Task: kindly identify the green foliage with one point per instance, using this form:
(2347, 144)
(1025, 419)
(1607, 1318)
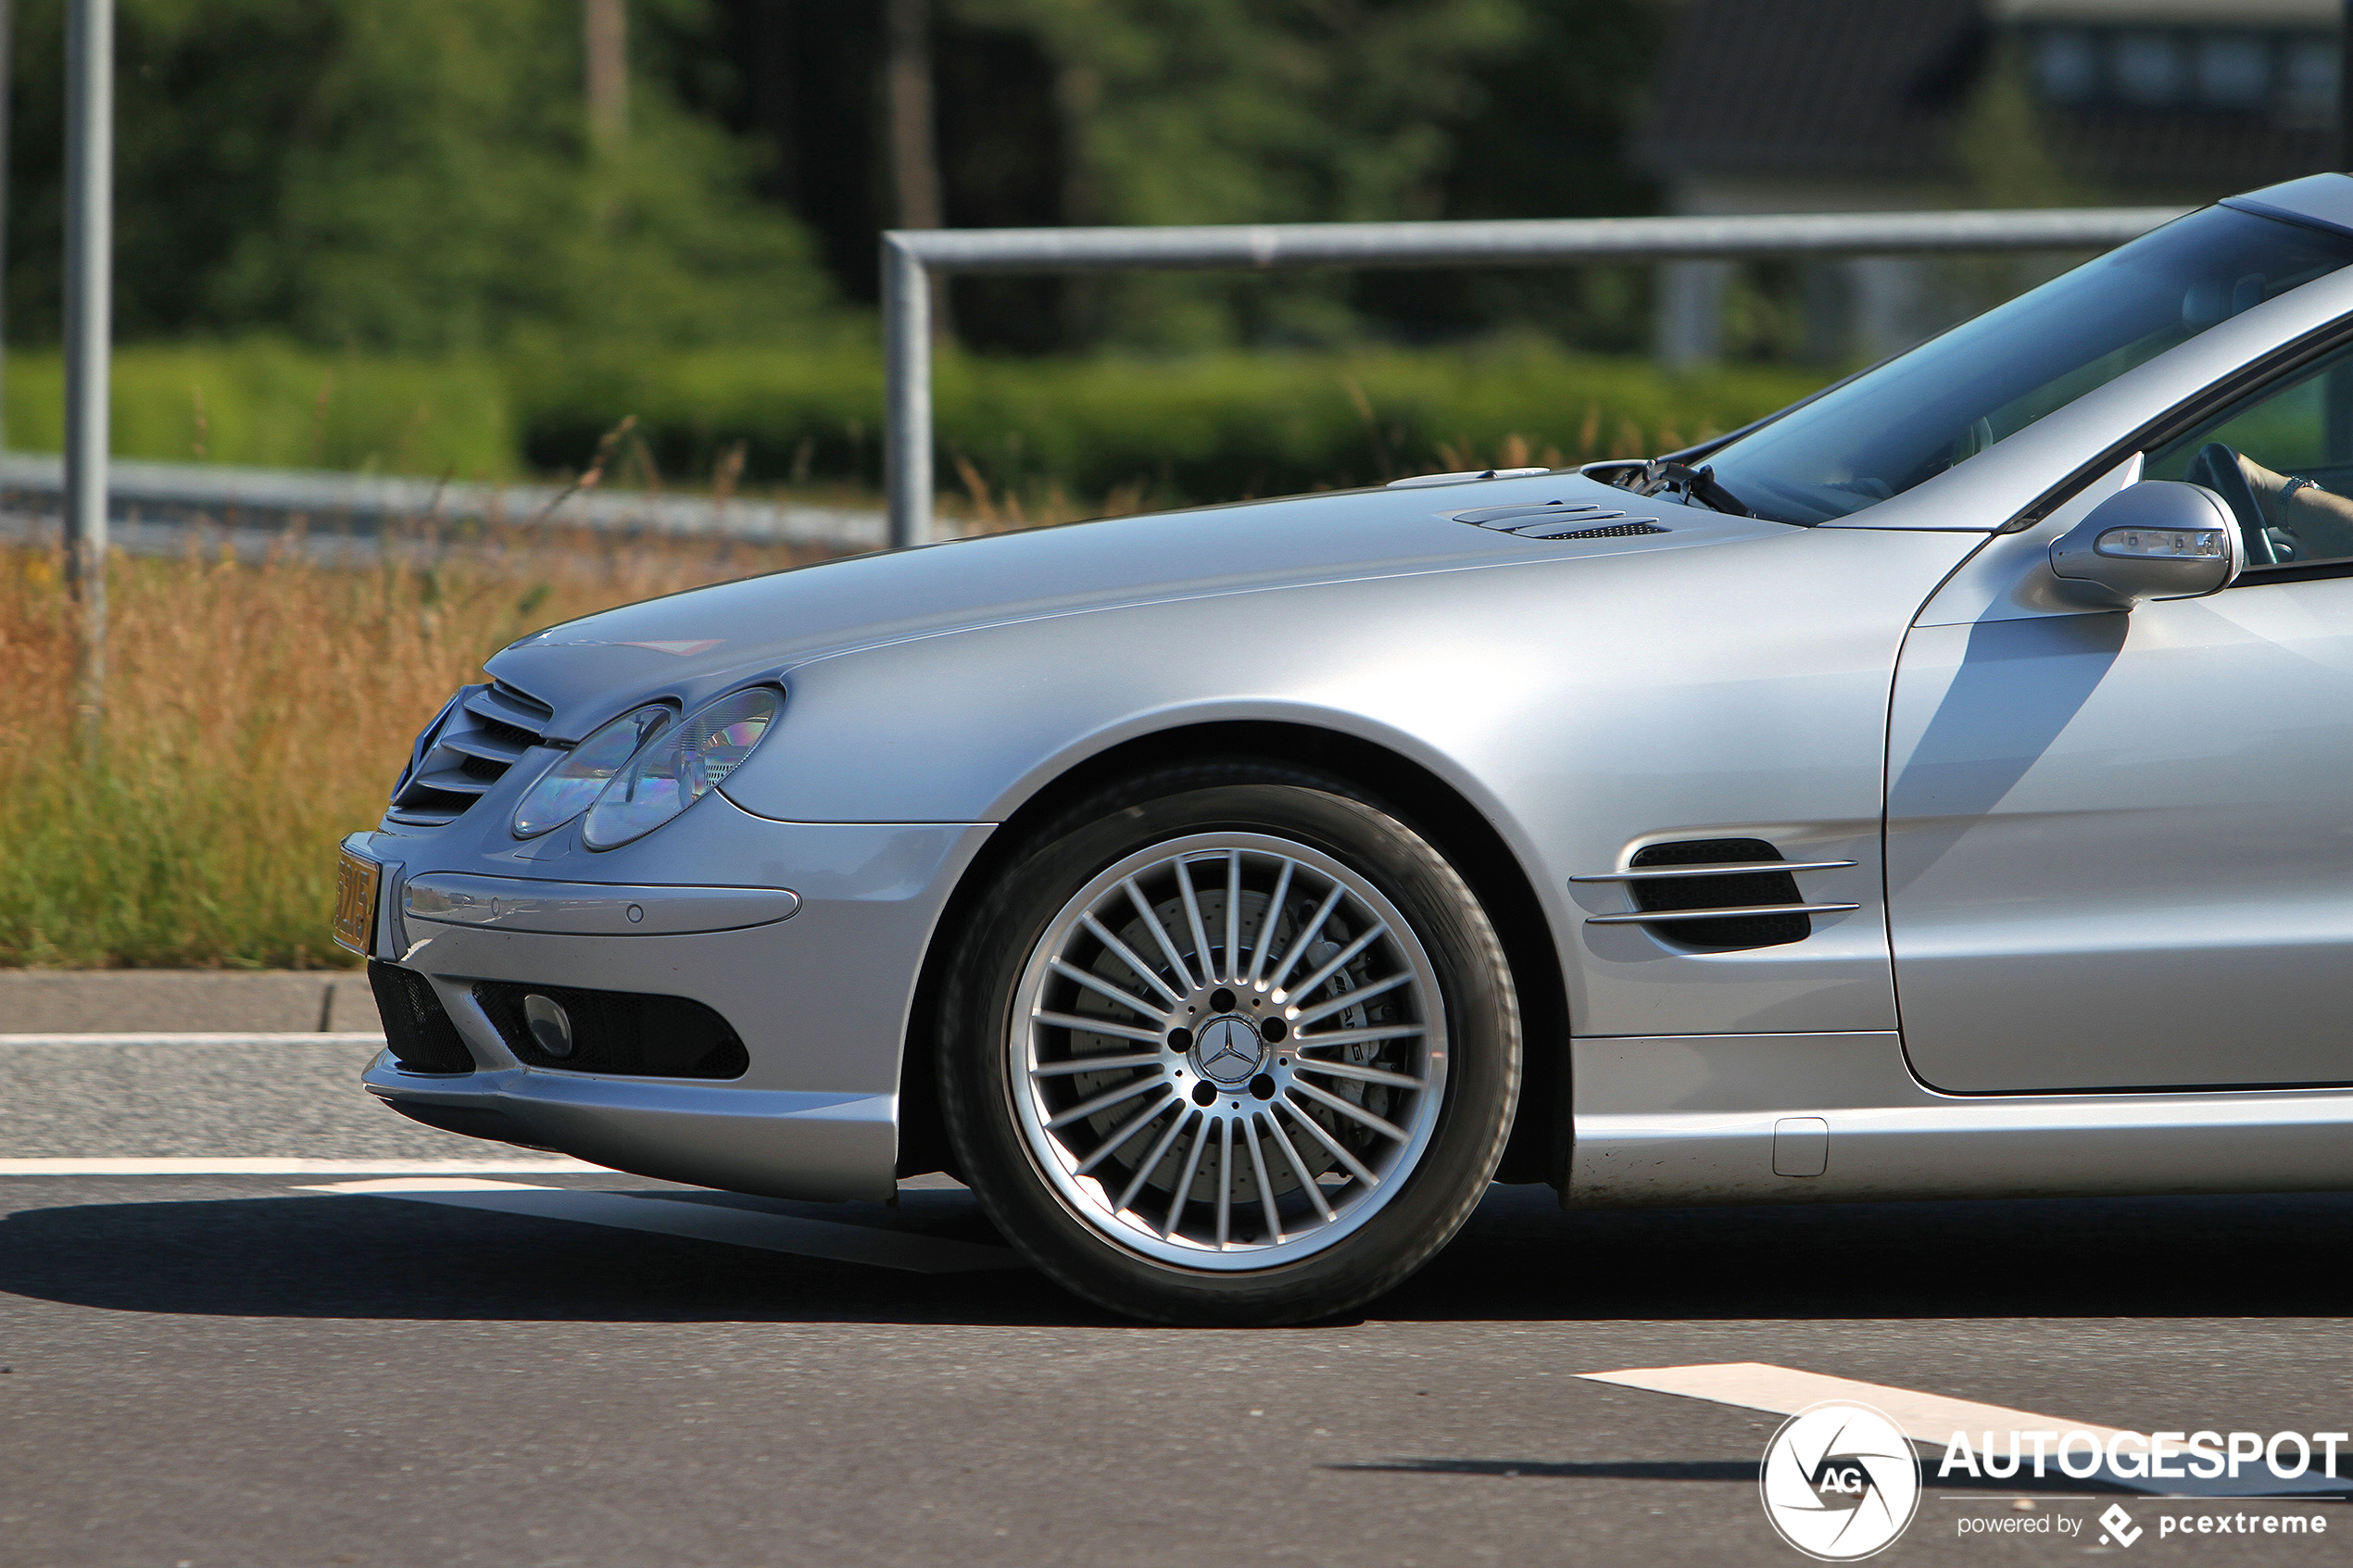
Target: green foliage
(1194, 428)
(266, 402)
(1247, 111)
(1202, 427)
(412, 177)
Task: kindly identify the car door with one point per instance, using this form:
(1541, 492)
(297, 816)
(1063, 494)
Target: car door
(2120, 845)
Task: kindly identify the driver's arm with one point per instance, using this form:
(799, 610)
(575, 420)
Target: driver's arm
(2310, 512)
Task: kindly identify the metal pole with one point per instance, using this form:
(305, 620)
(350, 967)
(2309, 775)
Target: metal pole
(89, 305)
(2344, 88)
(906, 290)
(7, 81)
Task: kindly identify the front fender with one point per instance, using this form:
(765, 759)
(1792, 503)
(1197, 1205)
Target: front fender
(1583, 706)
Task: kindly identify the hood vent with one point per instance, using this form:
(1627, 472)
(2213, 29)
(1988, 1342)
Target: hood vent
(1718, 893)
(1561, 520)
(480, 734)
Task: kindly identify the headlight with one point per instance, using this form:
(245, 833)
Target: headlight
(566, 789)
(680, 768)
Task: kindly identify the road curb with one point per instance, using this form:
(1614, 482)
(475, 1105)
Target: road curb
(131, 1001)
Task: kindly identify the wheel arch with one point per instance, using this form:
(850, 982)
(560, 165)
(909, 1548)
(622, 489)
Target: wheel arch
(1538, 1148)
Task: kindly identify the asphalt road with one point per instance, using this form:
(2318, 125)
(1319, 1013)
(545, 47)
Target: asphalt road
(250, 1370)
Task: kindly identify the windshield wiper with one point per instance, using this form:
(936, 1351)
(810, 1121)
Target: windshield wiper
(1665, 476)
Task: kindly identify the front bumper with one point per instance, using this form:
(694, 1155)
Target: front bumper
(819, 998)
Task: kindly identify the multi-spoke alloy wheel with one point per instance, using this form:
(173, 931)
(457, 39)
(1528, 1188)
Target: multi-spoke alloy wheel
(1234, 1048)
(1246, 1051)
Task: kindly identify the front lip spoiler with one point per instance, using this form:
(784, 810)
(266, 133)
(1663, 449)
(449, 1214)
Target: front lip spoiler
(470, 1121)
(589, 909)
(776, 1142)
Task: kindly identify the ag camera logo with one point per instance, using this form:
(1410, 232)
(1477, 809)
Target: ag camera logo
(1840, 1481)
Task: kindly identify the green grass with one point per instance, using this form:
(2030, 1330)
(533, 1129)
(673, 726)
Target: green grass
(256, 713)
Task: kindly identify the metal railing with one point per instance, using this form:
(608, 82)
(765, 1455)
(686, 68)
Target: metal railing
(911, 257)
(170, 498)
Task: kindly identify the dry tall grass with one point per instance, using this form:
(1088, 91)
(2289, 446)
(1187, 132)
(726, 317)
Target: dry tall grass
(256, 713)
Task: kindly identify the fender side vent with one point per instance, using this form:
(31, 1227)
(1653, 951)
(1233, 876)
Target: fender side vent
(1718, 893)
(1670, 892)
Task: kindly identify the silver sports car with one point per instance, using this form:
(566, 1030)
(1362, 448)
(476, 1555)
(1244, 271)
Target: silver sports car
(1942, 788)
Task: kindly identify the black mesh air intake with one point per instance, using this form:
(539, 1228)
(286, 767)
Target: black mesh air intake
(422, 1037)
(620, 1031)
(1719, 892)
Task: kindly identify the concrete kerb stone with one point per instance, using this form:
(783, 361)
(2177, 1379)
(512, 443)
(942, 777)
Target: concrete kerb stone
(129, 1002)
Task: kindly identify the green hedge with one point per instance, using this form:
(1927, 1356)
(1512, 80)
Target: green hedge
(1208, 427)
(1213, 426)
(265, 402)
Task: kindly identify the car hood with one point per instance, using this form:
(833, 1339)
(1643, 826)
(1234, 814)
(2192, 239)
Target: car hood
(693, 644)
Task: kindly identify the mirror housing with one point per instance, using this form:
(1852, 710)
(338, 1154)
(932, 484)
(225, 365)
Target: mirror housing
(2159, 539)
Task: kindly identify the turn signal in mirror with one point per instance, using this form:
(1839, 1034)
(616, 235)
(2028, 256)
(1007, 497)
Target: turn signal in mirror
(2161, 544)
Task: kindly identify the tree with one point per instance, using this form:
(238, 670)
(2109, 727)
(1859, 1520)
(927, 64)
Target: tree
(416, 177)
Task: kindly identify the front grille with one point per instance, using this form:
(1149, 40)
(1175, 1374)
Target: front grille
(1717, 891)
(620, 1031)
(480, 734)
(419, 1030)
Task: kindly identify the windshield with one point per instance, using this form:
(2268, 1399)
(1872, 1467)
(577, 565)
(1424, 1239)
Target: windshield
(1954, 395)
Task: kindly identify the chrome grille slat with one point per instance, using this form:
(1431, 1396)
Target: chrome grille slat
(481, 733)
(449, 781)
(487, 745)
(506, 705)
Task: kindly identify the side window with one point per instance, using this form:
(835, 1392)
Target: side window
(2284, 462)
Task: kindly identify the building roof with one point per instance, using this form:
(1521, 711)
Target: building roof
(1843, 89)
(2316, 14)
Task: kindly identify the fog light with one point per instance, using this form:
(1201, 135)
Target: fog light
(551, 1029)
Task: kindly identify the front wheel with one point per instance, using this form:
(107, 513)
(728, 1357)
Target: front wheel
(1229, 1044)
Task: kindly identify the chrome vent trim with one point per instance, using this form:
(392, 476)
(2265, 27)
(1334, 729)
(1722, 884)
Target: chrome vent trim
(1728, 868)
(1729, 911)
(1561, 520)
(1718, 893)
(480, 732)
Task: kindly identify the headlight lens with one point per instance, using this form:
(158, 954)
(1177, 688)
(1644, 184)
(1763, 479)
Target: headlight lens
(566, 789)
(680, 768)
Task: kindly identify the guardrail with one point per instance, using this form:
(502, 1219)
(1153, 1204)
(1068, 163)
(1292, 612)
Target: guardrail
(910, 257)
(221, 496)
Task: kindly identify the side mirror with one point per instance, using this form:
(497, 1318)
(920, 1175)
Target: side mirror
(2159, 539)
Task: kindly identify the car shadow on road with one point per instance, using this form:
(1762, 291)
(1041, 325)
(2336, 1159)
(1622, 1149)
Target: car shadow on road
(351, 1256)
(1521, 1259)
(2240, 1256)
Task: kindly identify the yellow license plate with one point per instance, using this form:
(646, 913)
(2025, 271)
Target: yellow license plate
(355, 879)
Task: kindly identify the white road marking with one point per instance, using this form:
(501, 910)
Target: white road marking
(1924, 1418)
(405, 1186)
(541, 1165)
(664, 1215)
(1931, 1420)
(245, 1037)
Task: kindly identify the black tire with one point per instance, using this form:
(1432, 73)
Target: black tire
(1414, 1218)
